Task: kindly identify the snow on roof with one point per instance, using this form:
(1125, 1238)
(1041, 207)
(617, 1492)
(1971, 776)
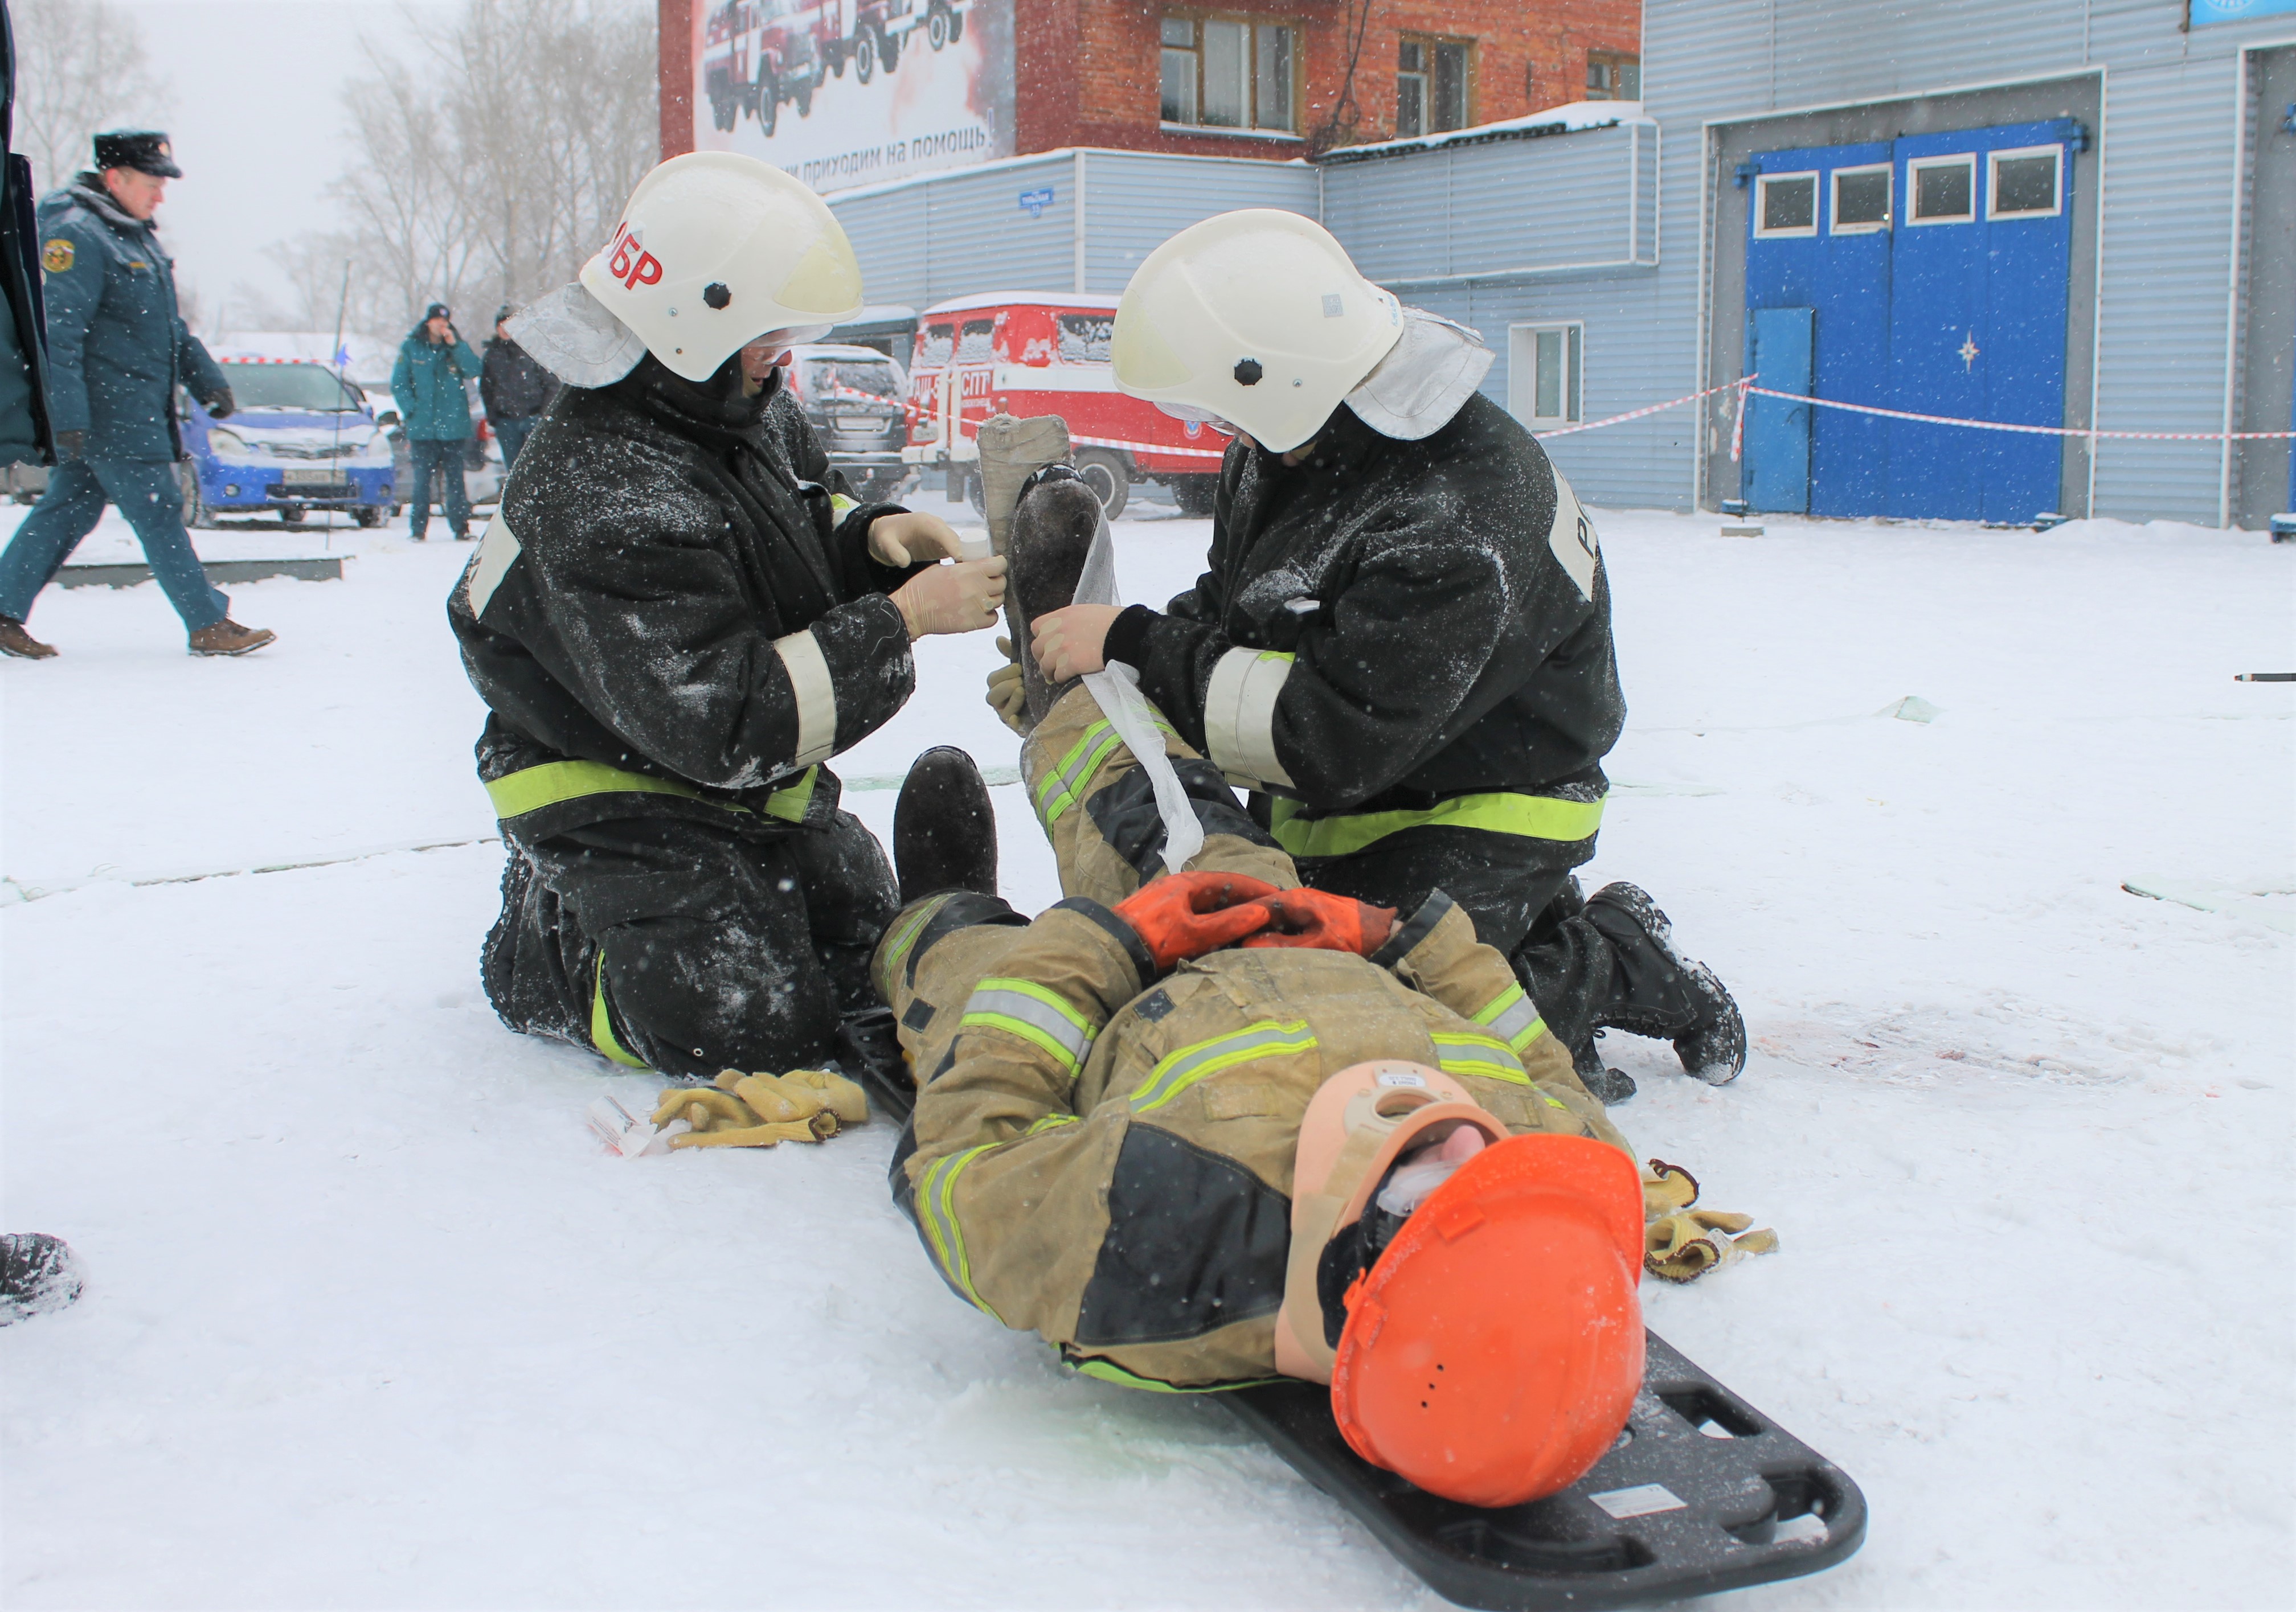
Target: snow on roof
(887, 313)
(837, 350)
(1024, 299)
(1576, 117)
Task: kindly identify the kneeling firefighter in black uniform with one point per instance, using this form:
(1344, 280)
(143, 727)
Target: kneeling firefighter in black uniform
(1401, 642)
(676, 618)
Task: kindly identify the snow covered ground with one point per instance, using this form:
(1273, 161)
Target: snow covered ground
(371, 1322)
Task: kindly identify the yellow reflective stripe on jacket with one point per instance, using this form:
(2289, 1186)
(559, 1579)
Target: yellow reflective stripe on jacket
(601, 1023)
(1036, 1014)
(1459, 1052)
(1528, 816)
(840, 507)
(532, 789)
(1514, 1019)
(1109, 1371)
(1240, 713)
(1176, 1072)
(936, 1213)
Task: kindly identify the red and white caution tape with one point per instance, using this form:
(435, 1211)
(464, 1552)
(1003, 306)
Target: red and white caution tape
(2034, 430)
(1148, 447)
(1655, 408)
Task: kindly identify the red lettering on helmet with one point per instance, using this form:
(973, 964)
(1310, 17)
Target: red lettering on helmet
(619, 264)
(645, 271)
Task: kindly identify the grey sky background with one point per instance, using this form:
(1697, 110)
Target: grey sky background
(255, 102)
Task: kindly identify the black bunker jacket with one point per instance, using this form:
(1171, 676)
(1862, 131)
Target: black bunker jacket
(1396, 637)
(674, 614)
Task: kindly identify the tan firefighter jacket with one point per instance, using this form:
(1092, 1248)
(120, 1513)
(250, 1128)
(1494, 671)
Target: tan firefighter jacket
(1103, 1156)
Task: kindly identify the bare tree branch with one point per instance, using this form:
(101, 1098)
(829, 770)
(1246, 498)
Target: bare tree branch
(82, 68)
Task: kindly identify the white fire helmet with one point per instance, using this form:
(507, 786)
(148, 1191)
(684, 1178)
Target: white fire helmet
(716, 250)
(1257, 319)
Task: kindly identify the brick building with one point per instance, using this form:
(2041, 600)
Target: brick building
(1264, 78)
(1280, 78)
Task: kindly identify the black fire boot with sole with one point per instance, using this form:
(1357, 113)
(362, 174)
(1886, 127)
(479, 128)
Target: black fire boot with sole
(1053, 529)
(1660, 993)
(944, 827)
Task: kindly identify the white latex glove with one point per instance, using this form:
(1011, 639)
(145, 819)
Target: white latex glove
(960, 597)
(901, 541)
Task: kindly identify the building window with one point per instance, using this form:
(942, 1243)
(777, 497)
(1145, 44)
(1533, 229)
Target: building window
(1613, 75)
(1224, 72)
(2023, 184)
(1944, 188)
(1785, 204)
(1434, 85)
(1543, 384)
(1861, 200)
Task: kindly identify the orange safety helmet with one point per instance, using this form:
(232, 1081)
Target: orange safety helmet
(1492, 1351)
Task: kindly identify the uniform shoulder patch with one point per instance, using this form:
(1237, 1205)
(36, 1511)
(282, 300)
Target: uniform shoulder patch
(56, 255)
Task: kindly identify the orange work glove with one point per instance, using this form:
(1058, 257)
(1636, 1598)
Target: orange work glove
(1329, 922)
(1184, 915)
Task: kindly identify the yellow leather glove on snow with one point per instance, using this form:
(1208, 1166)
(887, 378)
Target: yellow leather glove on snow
(1008, 695)
(1684, 1248)
(1667, 1188)
(760, 1111)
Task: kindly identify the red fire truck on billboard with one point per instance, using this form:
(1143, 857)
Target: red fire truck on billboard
(1027, 353)
(757, 55)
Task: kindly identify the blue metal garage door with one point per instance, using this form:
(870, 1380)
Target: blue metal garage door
(1931, 273)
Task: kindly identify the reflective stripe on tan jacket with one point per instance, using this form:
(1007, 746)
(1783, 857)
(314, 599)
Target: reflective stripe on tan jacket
(1103, 1156)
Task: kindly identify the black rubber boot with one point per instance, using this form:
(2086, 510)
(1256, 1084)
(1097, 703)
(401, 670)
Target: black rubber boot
(37, 1273)
(944, 827)
(1658, 992)
(1053, 529)
(1609, 1087)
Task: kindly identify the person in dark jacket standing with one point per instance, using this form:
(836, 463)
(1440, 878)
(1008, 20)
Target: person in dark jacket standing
(676, 618)
(434, 411)
(515, 388)
(116, 350)
(1402, 642)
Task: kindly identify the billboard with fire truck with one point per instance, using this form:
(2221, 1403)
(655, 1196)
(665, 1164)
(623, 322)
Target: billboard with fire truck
(844, 92)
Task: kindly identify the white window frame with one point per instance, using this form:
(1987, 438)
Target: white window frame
(1913, 166)
(1993, 167)
(1522, 372)
(1889, 172)
(1762, 183)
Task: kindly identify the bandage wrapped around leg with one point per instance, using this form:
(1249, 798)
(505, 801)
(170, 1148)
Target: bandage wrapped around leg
(1011, 452)
(760, 1110)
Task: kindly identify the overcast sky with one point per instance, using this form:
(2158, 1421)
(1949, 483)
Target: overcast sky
(254, 99)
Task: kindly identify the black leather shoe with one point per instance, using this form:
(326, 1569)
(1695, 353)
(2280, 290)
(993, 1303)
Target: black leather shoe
(944, 827)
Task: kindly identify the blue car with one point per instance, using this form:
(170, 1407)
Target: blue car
(300, 439)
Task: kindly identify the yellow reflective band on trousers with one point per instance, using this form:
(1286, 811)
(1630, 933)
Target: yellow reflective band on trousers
(1064, 786)
(1109, 1371)
(1529, 817)
(1036, 1014)
(1514, 1019)
(601, 1023)
(1176, 1072)
(532, 789)
(1458, 1052)
(936, 1213)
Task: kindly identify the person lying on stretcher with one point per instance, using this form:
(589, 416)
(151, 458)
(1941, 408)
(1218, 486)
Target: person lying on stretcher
(1202, 1128)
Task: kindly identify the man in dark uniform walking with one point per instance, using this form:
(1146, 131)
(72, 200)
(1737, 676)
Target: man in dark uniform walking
(116, 350)
(675, 619)
(1401, 642)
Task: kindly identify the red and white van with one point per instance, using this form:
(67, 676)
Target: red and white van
(1027, 353)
